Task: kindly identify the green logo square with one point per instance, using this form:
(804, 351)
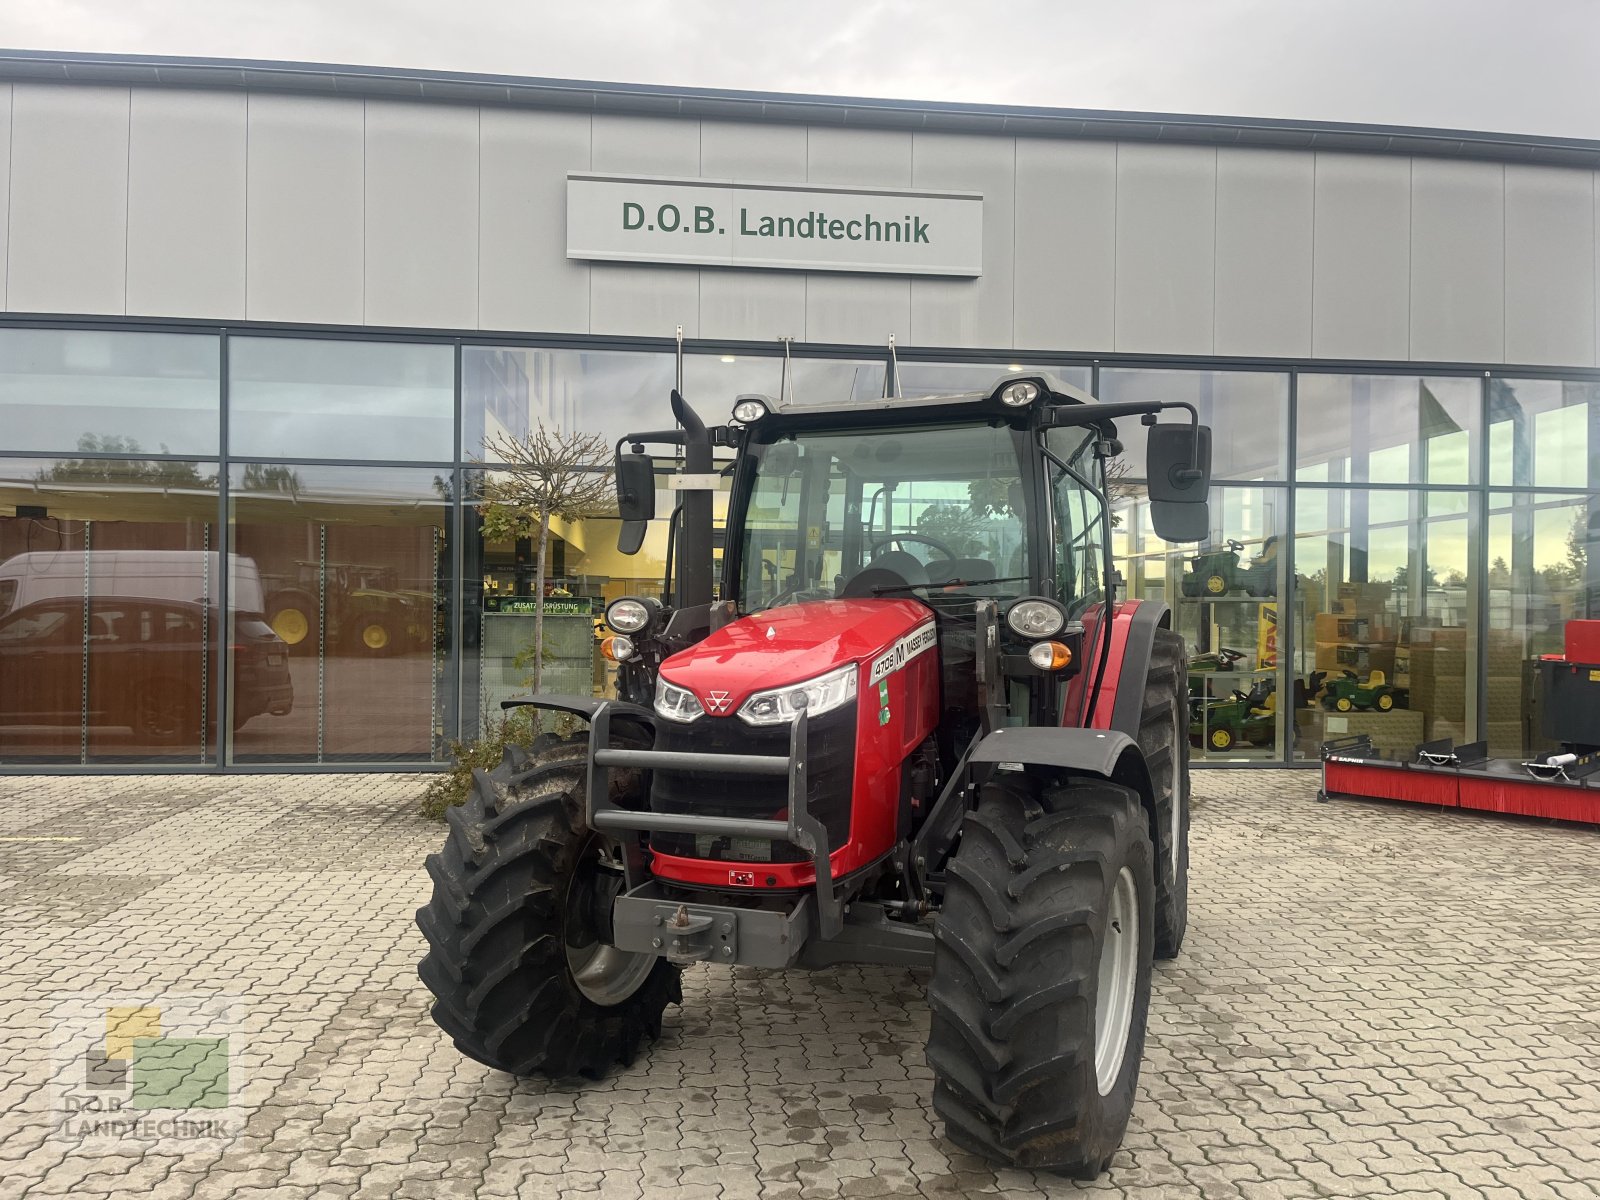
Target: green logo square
(171, 1072)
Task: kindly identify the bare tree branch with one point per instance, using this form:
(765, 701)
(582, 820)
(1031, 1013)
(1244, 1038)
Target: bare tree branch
(543, 476)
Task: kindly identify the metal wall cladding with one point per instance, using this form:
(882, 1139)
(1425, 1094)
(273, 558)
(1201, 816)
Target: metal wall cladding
(350, 211)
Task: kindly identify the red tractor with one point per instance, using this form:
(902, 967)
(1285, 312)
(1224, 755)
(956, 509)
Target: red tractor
(918, 730)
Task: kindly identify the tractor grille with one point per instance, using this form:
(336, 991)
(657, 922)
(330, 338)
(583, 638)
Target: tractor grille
(830, 776)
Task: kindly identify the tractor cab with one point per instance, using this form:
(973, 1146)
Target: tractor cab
(913, 725)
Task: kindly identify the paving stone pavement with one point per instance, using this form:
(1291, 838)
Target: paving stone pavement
(1373, 1000)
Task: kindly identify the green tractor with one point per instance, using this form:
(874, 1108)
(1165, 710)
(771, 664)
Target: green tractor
(359, 607)
(1349, 692)
(1219, 572)
(1244, 717)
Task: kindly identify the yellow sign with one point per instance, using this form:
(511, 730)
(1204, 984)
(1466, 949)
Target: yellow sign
(1267, 637)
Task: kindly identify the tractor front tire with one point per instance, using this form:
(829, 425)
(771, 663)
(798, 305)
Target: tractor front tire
(1164, 739)
(1041, 974)
(517, 890)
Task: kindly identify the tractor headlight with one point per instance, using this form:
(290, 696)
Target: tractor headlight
(749, 411)
(630, 614)
(1020, 394)
(676, 703)
(817, 696)
(1036, 618)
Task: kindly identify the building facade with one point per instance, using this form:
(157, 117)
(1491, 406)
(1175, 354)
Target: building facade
(261, 321)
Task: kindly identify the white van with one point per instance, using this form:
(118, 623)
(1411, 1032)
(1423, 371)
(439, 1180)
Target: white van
(188, 576)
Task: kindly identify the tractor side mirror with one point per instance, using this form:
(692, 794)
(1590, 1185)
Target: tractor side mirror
(1178, 464)
(636, 499)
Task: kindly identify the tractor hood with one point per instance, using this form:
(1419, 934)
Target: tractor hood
(793, 644)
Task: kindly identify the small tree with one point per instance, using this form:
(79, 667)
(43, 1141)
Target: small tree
(540, 476)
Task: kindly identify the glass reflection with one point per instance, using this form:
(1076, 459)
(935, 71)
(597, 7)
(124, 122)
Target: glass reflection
(109, 611)
(97, 391)
(1387, 429)
(1228, 600)
(1544, 570)
(319, 398)
(612, 393)
(1386, 635)
(348, 569)
(1247, 412)
(1544, 433)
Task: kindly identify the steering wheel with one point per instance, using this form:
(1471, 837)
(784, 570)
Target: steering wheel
(935, 543)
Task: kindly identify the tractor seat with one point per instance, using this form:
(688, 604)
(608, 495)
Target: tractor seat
(1375, 679)
(973, 569)
(894, 568)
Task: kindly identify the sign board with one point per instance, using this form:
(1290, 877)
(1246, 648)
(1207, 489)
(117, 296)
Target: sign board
(715, 223)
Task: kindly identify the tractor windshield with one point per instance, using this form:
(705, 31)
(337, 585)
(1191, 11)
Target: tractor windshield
(937, 505)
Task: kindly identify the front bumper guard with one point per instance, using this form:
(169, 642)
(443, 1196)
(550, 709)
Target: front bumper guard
(645, 920)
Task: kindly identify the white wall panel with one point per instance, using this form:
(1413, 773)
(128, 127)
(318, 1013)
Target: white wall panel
(645, 301)
(69, 200)
(1166, 248)
(1066, 238)
(186, 204)
(526, 282)
(758, 305)
(5, 184)
(1264, 225)
(1458, 221)
(753, 153)
(1550, 278)
(863, 310)
(969, 312)
(1361, 282)
(421, 215)
(304, 227)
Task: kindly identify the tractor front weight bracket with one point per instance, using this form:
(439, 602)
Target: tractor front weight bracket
(646, 919)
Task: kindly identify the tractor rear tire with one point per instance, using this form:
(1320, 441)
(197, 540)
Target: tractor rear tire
(1164, 739)
(1041, 974)
(505, 912)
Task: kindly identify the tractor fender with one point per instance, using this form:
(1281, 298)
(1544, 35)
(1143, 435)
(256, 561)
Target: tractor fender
(581, 706)
(1104, 753)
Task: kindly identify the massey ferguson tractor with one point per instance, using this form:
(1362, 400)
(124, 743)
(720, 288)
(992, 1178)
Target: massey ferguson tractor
(917, 729)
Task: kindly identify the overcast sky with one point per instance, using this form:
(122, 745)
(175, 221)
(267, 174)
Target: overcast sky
(1523, 66)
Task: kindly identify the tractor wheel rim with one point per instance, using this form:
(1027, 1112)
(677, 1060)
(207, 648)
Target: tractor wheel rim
(291, 626)
(604, 974)
(1220, 739)
(374, 637)
(1117, 981)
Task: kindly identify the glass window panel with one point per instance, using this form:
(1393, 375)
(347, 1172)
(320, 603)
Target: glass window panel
(109, 623)
(585, 572)
(316, 398)
(1226, 595)
(1387, 429)
(611, 393)
(1247, 412)
(122, 393)
(1544, 570)
(933, 379)
(1386, 623)
(353, 591)
(1544, 433)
